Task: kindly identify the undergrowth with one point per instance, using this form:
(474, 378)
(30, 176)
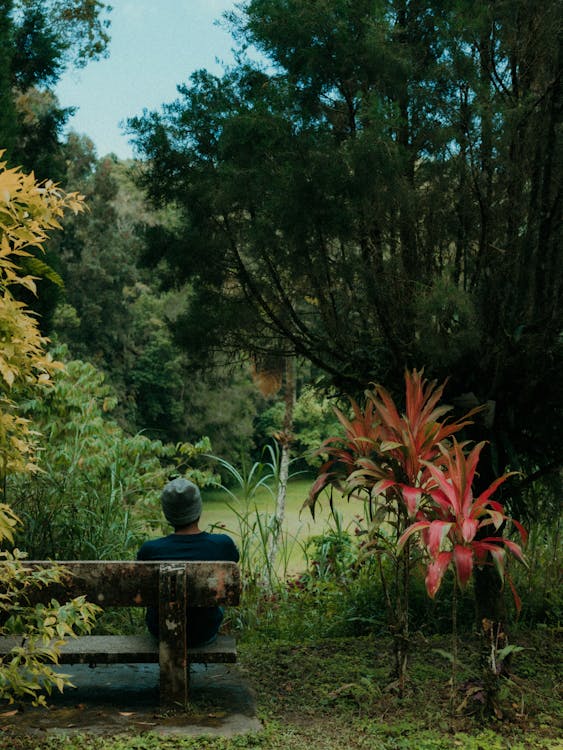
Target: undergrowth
(338, 693)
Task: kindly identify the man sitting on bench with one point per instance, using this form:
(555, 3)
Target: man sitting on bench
(181, 505)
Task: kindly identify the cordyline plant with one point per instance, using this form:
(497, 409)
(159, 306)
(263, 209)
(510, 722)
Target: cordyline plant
(462, 531)
(450, 520)
(384, 459)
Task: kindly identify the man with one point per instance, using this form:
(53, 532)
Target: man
(181, 505)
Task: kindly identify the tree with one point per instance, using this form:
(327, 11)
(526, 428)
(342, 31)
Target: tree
(381, 191)
(121, 323)
(80, 27)
(41, 39)
(7, 110)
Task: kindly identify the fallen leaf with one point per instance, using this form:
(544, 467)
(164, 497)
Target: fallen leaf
(126, 713)
(9, 713)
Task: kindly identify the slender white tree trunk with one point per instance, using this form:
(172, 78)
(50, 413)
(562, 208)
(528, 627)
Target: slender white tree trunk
(284, 440)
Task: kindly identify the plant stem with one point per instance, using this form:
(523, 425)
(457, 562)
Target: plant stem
(454, 649)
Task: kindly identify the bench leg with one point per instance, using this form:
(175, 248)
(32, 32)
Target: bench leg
(174, 670)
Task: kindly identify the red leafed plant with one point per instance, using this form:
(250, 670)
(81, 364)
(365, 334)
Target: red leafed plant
(451, 520)
(384, 458)
(383, 449)
(409, 467)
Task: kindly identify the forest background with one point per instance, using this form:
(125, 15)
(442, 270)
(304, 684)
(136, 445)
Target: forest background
(381, 191)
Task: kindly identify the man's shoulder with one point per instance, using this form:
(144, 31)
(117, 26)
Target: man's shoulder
(151, 545)
(222, 542)
(218, 537)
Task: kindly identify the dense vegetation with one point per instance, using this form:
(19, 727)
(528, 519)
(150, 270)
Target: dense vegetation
(380, 190)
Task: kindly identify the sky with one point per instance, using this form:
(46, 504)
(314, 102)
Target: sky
(155, 45)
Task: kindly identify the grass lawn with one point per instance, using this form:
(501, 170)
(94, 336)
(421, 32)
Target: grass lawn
(336, 694)
(219, 508)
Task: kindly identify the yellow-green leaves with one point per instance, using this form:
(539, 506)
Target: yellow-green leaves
(28, 212)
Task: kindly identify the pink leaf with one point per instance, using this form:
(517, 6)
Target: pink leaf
(463, 558)
(495, 541)
(515, 549)
(411, 496)
(522, 531)
(517, 600)
(382, 485)
(435, 573)
(498, 555)
(483, 498)
(480, 551)
(437, 532)
(468, 466)
(410, 531)
(449, 493)
(498, 518)
(441, 500)
(469, 529)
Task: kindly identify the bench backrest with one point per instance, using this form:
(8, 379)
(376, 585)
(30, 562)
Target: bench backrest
(118, 583)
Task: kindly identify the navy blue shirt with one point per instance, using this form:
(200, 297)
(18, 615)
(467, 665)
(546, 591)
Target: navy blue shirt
(203, 622)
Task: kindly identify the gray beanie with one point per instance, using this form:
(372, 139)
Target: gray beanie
(181, 502)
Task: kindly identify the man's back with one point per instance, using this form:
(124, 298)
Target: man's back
(203, 622)
(201, 546)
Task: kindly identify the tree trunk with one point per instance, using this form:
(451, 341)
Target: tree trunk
(284, 440)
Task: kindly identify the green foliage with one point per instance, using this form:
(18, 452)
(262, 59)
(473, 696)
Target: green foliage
(325, 694)
(40, 39)
(122, 325)
(28, 211)
(333, 554)
(313, 420)
(540, 582)
(380, 189)
(97, 494)
(7, 108)
(256, 529)
(27, 671)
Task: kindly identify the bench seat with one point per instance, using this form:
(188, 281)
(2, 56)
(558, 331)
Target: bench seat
(133, 649)
(171, 586)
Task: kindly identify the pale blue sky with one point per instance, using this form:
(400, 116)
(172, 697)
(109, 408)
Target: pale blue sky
(155, 45)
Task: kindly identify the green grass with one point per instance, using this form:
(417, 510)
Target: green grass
(335, 694)
(299, 525)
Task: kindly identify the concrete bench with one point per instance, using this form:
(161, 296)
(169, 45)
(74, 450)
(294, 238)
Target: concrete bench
(171, 587)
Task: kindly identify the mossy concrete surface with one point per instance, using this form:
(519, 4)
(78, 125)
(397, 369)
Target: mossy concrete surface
(109, 699)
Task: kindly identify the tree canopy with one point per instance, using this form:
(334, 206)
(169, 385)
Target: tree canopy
(40, 39)
(381, 189)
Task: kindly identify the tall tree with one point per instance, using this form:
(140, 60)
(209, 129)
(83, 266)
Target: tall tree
(40, 39)
(7, 109)
(383, 190)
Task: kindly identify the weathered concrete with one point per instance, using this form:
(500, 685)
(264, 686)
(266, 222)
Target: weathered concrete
(110, 699)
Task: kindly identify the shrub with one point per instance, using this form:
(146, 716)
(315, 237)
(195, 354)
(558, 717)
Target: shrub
(28, 211)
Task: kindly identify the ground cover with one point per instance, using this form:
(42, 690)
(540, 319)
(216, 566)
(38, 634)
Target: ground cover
(335, 694)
